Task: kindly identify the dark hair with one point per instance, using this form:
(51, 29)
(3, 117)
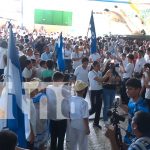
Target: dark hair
(50, 64)
(148, 49)
(8, 140)
(123, 54)
(46, 46)
(142, 119)
(147, 65)
(42, 62)
(141, 52)
(66, 77)
(127, 49)
(94, 64)
(33, 60)
(85, 59)
(4, 44)
(28, 62)
(130, 56)
(133, 82)
(58, 76)
(21, 47)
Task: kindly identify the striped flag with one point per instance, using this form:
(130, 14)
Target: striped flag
(15, 115)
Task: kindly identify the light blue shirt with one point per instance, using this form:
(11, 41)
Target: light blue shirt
(46, 56)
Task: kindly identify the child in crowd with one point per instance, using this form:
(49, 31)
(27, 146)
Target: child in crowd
(79, 128)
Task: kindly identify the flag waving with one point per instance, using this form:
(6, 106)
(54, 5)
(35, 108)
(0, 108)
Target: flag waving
(16, 117)
(93, 34)
(60, 58)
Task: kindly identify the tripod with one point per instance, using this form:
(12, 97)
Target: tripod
(118, 137)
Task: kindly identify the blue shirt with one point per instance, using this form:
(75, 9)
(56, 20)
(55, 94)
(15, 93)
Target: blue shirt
(46, 56)
(133, 107)
(142, 143)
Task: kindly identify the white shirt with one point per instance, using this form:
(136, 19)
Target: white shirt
(95, 57)
(128, 70)
(27, 73)
(139, 65)
(78, 62)
(55, 100)
(67, 53)
(82, 74)
(78, 111)
(94, 85)
(146, 78)
(146, 57)
(2, 53)
(125, 62)
(147, 93)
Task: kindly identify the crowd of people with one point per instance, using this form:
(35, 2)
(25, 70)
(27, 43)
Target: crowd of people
(118, 66)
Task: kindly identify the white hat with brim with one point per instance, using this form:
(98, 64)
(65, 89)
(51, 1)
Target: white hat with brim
(80, 85)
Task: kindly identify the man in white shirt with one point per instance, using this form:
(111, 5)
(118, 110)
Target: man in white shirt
(127, 74)
(67, 57)
(58, 122)
(27, 72)
(140, 62)
(81, 73)
(47, 54)
(76, 57)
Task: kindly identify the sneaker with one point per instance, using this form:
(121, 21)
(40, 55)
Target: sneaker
(97, 125)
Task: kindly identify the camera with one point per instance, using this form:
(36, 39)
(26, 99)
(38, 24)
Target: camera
(115, 118)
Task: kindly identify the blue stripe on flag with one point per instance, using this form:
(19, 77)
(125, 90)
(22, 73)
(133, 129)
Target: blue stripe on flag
(14, 82)
(60, 58)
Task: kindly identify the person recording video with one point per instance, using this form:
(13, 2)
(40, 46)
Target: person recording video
(141, 128)
(136, 103)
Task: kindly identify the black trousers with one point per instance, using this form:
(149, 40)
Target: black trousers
(58, 130)
(96, 104)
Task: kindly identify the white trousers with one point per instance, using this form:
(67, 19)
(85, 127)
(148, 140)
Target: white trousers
(78, 139)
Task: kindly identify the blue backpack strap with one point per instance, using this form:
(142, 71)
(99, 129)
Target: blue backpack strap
(37, 97)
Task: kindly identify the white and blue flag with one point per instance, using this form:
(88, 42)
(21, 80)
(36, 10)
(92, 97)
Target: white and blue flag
(93, 34)
(16, 121)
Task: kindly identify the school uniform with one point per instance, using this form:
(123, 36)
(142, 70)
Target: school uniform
(78, 111)
(95, 95)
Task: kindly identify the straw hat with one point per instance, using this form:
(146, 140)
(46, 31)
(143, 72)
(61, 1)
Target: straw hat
(80, 85)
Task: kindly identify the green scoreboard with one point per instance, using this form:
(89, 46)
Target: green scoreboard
(52, 17)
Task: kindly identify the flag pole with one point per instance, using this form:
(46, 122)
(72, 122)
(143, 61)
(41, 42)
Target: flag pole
(88, 27)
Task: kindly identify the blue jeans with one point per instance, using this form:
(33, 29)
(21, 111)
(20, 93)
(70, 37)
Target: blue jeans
(108, 97)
